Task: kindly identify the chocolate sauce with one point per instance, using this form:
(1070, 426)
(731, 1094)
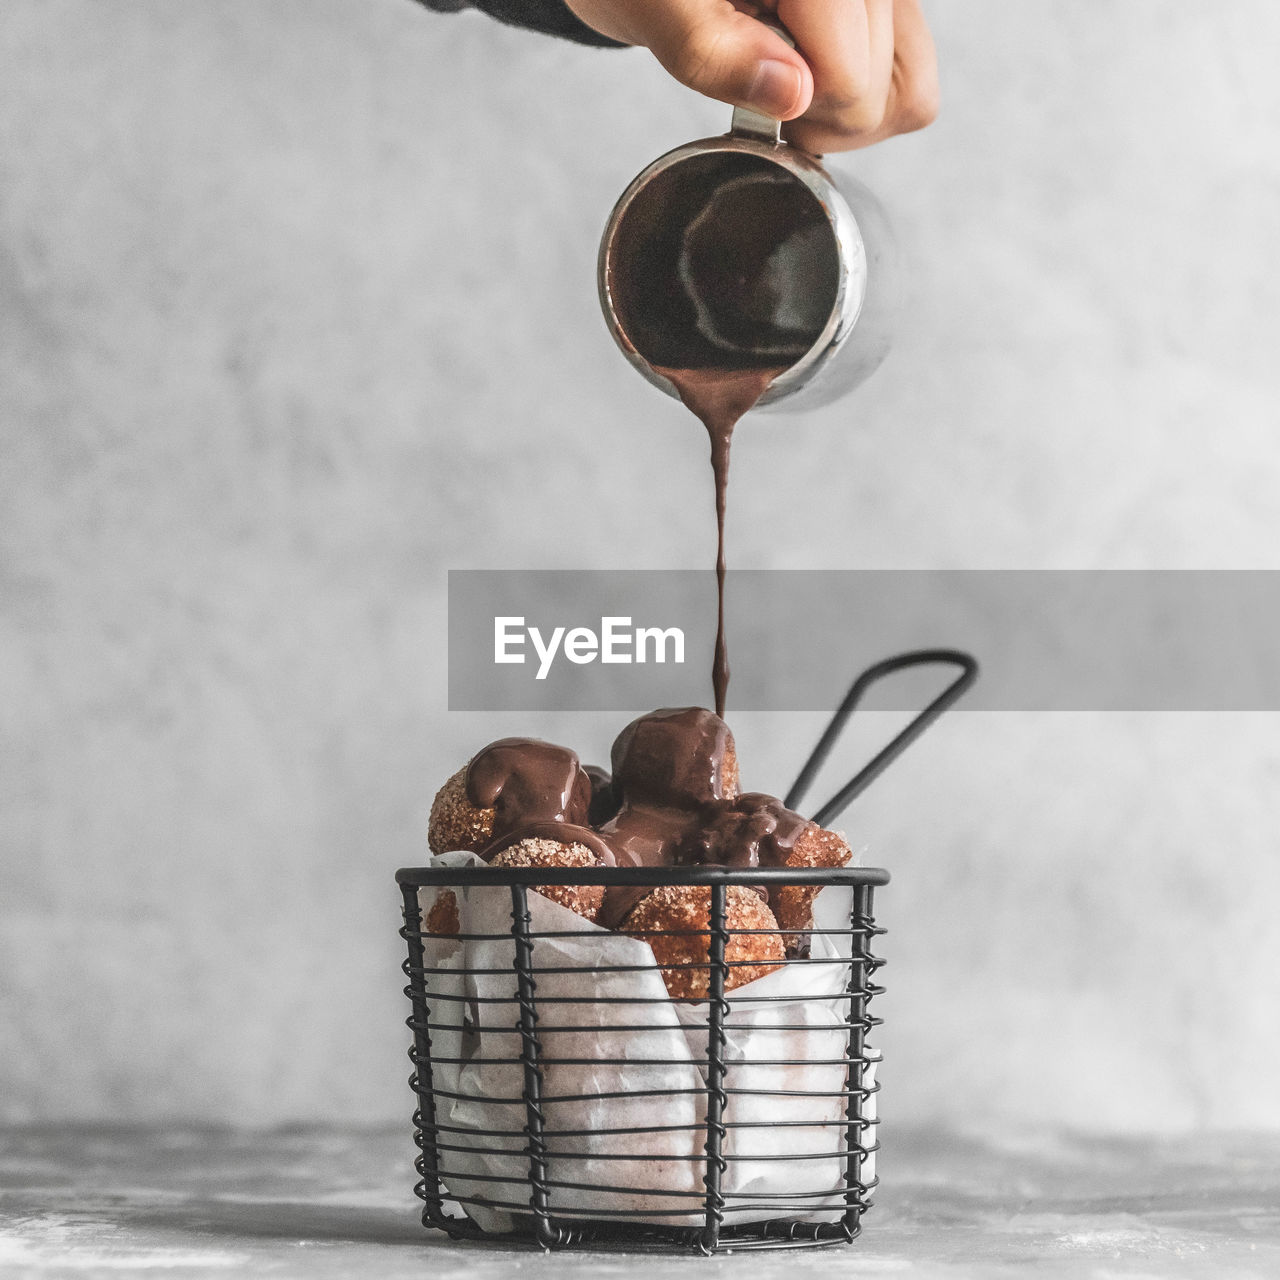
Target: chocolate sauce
(719, 398)
(671, 771)
(723, 275)
(604, 799)
(525, 781)
(677, 756)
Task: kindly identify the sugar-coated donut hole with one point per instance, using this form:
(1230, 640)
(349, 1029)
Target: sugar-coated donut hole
(456, 823)
(442, 919)
(538, 851)
(730, 786)
(793, 903)
(675, 920)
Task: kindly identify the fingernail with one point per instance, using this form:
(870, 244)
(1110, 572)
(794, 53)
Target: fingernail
(774, 88)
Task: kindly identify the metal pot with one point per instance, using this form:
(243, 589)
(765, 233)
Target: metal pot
(743, 251)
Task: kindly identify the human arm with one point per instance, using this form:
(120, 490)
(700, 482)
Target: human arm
(553, 17)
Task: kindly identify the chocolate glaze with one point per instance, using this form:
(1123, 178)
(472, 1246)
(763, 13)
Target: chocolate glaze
(668, 783)
(676, 755)
(752, 830)
(525, 780)
(604, 799)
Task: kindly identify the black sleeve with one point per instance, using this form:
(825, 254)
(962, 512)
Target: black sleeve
(552, 16)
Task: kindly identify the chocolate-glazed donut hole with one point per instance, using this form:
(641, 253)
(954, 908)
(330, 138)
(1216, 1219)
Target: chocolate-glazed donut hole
(680, 755)
(524, 780)
(672, 800)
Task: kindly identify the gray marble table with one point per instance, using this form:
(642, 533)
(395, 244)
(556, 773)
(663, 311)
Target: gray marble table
(311, 1202)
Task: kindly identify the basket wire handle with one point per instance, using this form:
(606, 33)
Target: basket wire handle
(888, 754)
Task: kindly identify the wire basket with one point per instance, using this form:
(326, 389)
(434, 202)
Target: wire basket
(514, 1158)
(566, 1100)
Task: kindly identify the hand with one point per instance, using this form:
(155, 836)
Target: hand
(861, 71)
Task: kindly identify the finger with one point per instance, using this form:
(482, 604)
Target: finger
(849, 45)
(913, 91)
(913, 101)
(711, 47)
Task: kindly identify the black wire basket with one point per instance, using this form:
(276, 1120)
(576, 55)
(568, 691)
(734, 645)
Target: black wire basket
(518, 1156)
(566, 1100)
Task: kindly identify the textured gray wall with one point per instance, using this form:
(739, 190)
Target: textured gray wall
(296, 313)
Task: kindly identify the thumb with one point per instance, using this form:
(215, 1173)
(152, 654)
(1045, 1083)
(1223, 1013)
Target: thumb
(725, 54)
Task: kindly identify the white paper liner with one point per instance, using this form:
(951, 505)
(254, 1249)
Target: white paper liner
(646, 1080)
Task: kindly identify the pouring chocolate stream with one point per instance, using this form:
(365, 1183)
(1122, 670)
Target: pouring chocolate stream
(719, 398)
(722, 275)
